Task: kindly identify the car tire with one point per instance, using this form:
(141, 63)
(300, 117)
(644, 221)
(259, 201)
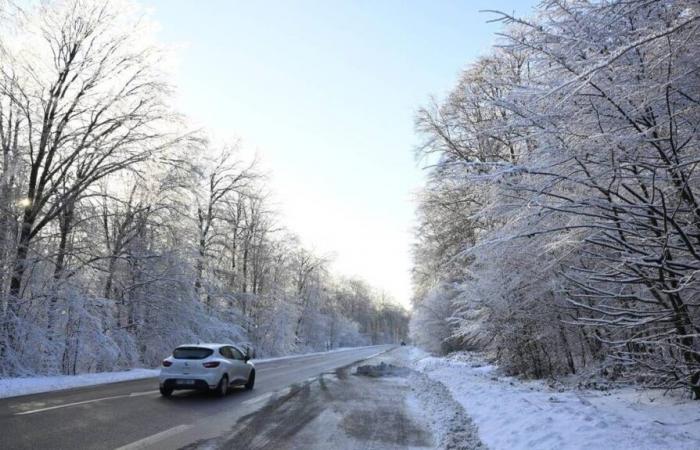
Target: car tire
(222, 387)
(165, 392)
(251, 381)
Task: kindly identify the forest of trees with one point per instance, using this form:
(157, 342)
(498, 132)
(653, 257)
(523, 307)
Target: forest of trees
(123, 232)
(559, 228)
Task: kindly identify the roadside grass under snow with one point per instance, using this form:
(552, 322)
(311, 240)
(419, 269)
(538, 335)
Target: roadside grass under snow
(514, 414)
(12, 387)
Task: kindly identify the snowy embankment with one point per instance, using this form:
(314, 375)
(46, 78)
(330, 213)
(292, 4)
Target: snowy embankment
(12, 387)
(514, 414)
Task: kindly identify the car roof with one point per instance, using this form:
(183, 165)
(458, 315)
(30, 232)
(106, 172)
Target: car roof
(206, 345)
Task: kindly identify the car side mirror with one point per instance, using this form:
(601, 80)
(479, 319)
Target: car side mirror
(246, 357)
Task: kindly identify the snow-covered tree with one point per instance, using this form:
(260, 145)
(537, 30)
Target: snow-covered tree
(122, 232)
(581, 142)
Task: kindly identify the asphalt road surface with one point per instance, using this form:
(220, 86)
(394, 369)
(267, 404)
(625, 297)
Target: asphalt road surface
(133, 415)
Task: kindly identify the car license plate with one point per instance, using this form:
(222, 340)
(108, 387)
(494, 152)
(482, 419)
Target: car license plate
(185, 381)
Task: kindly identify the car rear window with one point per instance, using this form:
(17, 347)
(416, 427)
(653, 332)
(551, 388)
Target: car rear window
(192, 353)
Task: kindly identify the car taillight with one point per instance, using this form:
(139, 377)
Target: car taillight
(167, 363)
(211, 365)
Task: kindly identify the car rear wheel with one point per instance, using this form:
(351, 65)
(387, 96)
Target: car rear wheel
(251, 381)
(165, 392)
(222, 387)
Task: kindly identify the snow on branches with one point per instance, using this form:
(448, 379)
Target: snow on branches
(123, 233)
(578, 135)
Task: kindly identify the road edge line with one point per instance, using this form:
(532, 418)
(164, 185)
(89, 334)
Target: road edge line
(152, 439)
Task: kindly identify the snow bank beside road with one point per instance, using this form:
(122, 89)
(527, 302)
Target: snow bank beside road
(11, 387)
(513, 414)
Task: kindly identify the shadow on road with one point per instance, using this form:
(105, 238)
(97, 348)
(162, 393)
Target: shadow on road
(338, 409)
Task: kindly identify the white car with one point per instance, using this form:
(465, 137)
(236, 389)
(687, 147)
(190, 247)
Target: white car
(214, 367)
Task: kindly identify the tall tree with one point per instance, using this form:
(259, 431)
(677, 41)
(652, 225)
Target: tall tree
(91, 101)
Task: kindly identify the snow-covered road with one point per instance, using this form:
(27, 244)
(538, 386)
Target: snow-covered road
(11, 387)
(410, 401)
(386, 406)
(132, 414)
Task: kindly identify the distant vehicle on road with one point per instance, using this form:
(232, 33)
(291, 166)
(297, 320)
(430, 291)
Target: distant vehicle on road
(206, 367)
(403, 343)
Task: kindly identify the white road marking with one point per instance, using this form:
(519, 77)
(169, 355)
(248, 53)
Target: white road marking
(283, 392)
(150, 440)
(377, 354)
(66, 405)
(138, 394)
(258, 399)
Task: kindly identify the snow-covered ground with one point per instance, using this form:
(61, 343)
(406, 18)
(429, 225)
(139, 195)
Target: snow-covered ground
(11, 387)
(513, 414)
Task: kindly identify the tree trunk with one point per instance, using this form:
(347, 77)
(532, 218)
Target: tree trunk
(66, 225)
(19, 268)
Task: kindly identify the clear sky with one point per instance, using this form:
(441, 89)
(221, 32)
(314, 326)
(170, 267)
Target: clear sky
(326, 92)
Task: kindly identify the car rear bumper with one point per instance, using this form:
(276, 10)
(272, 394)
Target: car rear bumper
(200, 380)
(177, 383)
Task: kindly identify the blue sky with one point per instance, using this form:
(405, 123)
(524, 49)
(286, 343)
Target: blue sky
(326, 92)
